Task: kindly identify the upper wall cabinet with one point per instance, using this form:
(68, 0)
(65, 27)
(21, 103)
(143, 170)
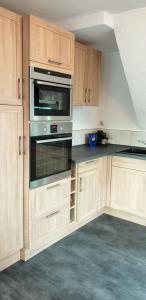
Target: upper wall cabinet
(87, 77)
(10, 58)
(50, 46)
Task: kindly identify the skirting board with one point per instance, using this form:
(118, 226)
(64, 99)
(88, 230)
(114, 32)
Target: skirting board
(5, 263)
(125, 216)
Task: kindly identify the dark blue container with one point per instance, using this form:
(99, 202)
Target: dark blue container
(92, 139)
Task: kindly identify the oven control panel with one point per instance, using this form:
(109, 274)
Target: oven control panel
(47, 128)
(53, 128)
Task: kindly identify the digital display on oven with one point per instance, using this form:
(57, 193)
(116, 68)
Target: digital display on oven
(53, 128)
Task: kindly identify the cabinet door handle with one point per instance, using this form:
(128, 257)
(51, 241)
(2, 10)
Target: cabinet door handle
(89, 95)
(52, 187)
(85, 95)
(52, 214)
(19, 88)
(20, 150)
(80, 184)
(54, 62)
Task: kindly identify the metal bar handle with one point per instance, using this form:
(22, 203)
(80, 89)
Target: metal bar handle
(90, 162)
(54, 186)
(89, 95)
(85, 95)
(52, 84)
(52, 214)
(20, 150)
(80, 184)
(19, 88)
(53, 140)
(54, 62)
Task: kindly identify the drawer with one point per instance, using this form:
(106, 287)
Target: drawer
(129, 163)
(47, 198)
(46, 229)
(89, 165)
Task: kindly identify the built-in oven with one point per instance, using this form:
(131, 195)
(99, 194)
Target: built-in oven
(50, 95)
(50, 152)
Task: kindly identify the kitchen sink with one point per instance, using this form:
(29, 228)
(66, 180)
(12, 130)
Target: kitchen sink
(133, 151)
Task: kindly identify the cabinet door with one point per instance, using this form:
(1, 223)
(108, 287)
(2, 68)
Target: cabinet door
(93, 76)
(128, 191)
(10, 58)
(80, 91)
(51, 46)
(88, 194)
(11, 180)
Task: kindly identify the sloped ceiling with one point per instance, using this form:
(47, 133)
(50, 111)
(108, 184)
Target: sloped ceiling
(130, 31)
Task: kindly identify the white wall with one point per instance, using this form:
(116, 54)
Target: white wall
(117, 106)
(131, 39)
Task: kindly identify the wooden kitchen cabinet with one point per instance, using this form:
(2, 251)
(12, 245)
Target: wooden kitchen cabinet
(93, 77)
(91, 188)
(50, 46)
(10, 58)
(128, 186)
(11, 184)
(80, 92)
(48, 219)
(87, 77)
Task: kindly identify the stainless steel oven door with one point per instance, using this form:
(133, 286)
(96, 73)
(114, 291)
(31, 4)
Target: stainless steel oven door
(50, 101)
(50, 159)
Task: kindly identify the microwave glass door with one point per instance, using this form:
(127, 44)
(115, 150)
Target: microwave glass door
(51, 99)
(49, 157)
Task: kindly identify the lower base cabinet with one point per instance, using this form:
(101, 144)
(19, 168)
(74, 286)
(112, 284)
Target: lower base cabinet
(11, 184)
(48, 215)
(91, 188)
(128, 190)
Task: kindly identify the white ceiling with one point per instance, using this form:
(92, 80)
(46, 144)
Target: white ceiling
(65, 9)
(100, 37)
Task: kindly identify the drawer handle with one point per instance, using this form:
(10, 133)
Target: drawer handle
(54, 62)
(52, 187)
(19, 88)
(52, 214)
(80, 184)
(90, 162)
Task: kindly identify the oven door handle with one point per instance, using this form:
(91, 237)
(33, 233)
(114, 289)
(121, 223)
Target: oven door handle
(53, 84)
(53, 140)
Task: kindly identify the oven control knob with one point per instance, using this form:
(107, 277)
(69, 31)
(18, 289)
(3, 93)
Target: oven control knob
(61, 128)
(45, 129)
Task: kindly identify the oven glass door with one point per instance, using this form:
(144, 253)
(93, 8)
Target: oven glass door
(51, 99)
(49, 156)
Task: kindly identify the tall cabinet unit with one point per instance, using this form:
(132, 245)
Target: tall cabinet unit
(48, 47)
(11, 139)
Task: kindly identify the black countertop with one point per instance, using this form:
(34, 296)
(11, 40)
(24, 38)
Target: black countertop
(84, 152)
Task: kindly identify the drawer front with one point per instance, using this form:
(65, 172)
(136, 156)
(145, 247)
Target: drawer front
(129, 163)
(48, 228)
(47, 198)
(89, 165)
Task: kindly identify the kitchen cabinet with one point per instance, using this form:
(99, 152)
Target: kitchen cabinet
(93, 77)
(48, 217)
(128, 186)
(10, 58)
(87, 77)
(11, 183)
(79, 93)
(91, 188)
(51, 47)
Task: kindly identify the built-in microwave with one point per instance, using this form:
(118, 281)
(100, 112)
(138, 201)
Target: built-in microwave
(50, 95)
